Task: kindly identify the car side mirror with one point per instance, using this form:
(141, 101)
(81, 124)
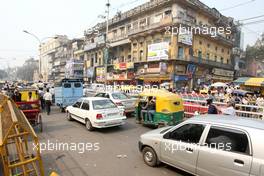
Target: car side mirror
(167, 135)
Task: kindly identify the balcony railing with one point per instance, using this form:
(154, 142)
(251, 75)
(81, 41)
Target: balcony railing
(163, 23)
(212, 63)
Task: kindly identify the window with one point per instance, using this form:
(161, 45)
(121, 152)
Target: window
(119, 96)
(223, 50)
(222, 60)
(180, 52)
(167, 12)
(200, 42)
(190, 133)
(208, 45)
(77, 104)
(215, 58)
(141, 54)
(67, 85)
(85, 105)
(216, 48)
(207, 56)
(77, 85)
(103, 104)
(228, 140)
(100, 95)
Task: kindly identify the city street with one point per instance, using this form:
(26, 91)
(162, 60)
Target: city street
(118, 154)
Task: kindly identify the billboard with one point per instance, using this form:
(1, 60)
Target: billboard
(158, 51)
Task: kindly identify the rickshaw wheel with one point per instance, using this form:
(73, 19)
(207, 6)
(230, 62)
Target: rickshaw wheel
(40, 123)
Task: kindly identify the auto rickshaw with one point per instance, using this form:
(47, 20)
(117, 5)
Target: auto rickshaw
(168, 109)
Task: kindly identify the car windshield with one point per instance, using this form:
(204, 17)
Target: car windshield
(103, 104)
(119, 96)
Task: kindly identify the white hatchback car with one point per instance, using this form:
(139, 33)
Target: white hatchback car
(96, 112)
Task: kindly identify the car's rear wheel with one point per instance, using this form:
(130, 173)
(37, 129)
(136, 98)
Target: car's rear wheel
(68, 116)
(150, 157)
(89, 125)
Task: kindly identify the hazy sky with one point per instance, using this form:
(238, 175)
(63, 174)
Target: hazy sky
(46, 18)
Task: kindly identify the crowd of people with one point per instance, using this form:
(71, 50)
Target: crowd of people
(45, 95)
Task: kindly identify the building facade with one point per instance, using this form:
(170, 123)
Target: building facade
(148, 45)
(47, 54)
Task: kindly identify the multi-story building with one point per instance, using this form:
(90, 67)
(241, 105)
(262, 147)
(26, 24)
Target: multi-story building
(148, 45)
(47, 53)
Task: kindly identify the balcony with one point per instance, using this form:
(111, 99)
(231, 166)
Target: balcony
(163, 23)
(202, 61)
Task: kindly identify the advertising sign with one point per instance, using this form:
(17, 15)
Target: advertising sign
(124, 66)
(185, 37)
(100, 74)
(158, 51)
(90, 72)
(190, 71)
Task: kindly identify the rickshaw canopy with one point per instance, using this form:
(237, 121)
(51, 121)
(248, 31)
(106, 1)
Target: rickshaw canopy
(166, 102)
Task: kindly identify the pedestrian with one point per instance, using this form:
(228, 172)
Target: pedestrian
(48, 99)
(41, 96)
(212, 109)
(230, 110)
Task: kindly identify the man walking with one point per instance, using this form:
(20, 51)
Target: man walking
(48, 99)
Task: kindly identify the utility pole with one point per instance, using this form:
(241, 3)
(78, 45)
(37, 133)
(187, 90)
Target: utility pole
(106, 53)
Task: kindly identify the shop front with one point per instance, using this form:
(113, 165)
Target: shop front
(221, 75)
(153, 73)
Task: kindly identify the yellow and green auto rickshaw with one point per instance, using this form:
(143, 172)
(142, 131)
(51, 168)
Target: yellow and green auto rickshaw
(168, 109)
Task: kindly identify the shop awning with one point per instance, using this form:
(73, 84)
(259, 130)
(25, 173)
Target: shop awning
(258, 82)
(241, 80)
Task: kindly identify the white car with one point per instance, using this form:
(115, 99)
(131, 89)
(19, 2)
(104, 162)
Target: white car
(96, 112)
(121, 99)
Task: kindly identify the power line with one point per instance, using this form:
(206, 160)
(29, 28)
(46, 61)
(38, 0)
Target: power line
(253, 22)
(251, 18)
(238, 5)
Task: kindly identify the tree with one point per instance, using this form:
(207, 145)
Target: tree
(256, 51)
(26, 71)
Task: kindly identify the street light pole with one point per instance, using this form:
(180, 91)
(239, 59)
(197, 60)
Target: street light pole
(40, 45)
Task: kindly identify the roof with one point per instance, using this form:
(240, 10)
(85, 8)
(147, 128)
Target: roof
(231, 120)
(158, 93)
(241, 80)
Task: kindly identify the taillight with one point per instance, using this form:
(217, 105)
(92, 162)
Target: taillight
(99, 116)
(119, 104)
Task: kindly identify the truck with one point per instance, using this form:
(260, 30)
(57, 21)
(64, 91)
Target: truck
(67, 92)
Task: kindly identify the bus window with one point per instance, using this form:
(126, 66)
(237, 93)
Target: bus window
(67, 85)
(77, 85)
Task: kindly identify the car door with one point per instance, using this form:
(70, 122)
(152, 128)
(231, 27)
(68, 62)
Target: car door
(179, 147)
(84, 110)
(75, 111)
(225, 151)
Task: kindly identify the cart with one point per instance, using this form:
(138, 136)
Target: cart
(31, 107)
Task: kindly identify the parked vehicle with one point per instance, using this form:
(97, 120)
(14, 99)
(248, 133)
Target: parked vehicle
(29, 104)
(91, 90)
(168, 108)
(208, 145)
(121, 99)
(96, 112)
(68, 91)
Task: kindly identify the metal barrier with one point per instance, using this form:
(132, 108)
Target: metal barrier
(193, 106)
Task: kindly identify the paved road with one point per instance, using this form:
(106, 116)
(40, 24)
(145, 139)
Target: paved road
(118, 154)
